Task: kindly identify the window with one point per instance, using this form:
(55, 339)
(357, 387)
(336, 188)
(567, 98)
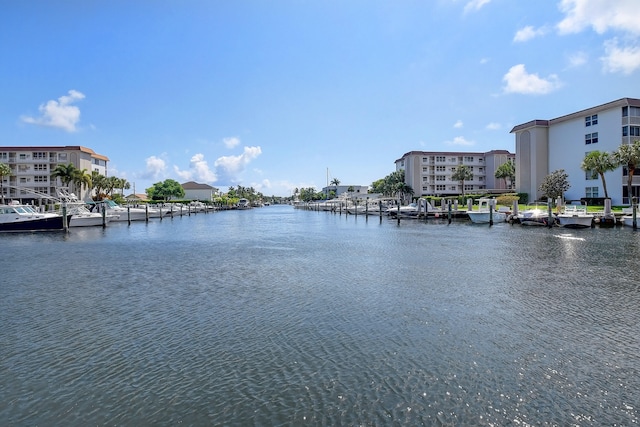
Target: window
(43, 190)
(454, 188)
(453, 170)
(441, 187)
(23, 168)
(631, 131)
(23, 156)
(590, 175)
(468, 159)
(3, 156)
(441, 169)
(425, 170)
(481, 178)
(441, 178)
(62, 156)
(440, 159)
(39, 155)
(591, 120)
(591, 138)
(40, 167)
(425, 179)
(631, 111)
(468, 187)
(480, 170)
(40, 178)
(591, 192)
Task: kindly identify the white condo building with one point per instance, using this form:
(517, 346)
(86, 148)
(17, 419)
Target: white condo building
(31, 168)
(544, 146)
(429, 173)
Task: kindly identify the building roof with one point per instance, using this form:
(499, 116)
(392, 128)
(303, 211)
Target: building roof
(137, 196)
(191, 185)
(58, 148)
(633, 102)
(451, 153)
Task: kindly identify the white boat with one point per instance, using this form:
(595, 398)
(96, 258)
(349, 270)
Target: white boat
(244, 204)
(575, 216)
(535, 217)
(627, 218)
(484, 214)
(80, 215)
(121, 213)
(414, 210)
(18, 217)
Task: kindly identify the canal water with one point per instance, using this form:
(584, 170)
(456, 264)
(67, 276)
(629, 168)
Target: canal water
(276, 316)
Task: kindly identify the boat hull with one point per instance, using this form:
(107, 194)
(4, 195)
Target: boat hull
(485, 218)
(52, 223)
(575, 221)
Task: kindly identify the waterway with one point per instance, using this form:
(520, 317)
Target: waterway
(276, 316)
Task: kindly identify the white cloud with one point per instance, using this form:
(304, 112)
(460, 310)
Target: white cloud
(528, 33)
(494, 126)
(617, 59)
(601, 15)
(235, 164)
(59, 114)
(231, 141)
(577, 59)
(198, 170)
(519, 81)
(460, 140)
(484, 61)
(458, 124)
(475, 5)
(156, 167)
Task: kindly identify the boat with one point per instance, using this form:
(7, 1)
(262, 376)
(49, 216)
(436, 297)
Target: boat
(535, 217)
(244, 204)
(122, 213)
(575, 216)
(414, 210)
(18, 217)
(81, 216)
(627, 218)
(485, 214)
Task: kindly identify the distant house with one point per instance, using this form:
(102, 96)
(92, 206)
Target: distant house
(137, 197)
(353, 190)
(195, 191)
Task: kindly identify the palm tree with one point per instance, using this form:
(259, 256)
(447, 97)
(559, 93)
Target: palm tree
(335, 181)
(599, 162)
(5, 170)
(506, 170)
(66, 173)
(80, 178)
(463, 173)
(628, 155)
(97, 184)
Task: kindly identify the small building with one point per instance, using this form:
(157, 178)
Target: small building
(353, 190)
(196, 191)
(137, 198)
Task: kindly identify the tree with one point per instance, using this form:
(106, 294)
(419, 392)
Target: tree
(80, 178)
(628, 155)
(599, 162)
(555, 184)
(463, 173)
(165, 190)
(402, 189)
(505, 171)
(65, 173)
(5, 170)
(335, 181)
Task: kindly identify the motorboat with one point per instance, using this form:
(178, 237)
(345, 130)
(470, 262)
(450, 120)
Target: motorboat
(81, 216)
(575, 216)
(535, 217)
(18, 217)
(413, 210)
(485, 214)
(122, 213)
(244, 204)
(627, 218)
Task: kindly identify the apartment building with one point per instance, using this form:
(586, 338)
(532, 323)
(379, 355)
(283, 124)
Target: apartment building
(544, 146)
(429, 173)
(31, 169)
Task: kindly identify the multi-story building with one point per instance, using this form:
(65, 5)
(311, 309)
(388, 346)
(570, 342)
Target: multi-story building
(354, 190)
(429, 173)
(31, 168)
(544, 146)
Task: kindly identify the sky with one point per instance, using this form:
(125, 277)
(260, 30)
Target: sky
(285, 94)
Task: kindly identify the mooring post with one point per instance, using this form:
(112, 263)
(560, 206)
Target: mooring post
(491, 206)
(65, 224)
(128, 215)
(449, 211)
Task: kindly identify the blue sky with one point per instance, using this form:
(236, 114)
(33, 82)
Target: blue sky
(272, 94)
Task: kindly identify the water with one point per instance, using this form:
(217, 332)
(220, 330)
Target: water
(278, 316)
